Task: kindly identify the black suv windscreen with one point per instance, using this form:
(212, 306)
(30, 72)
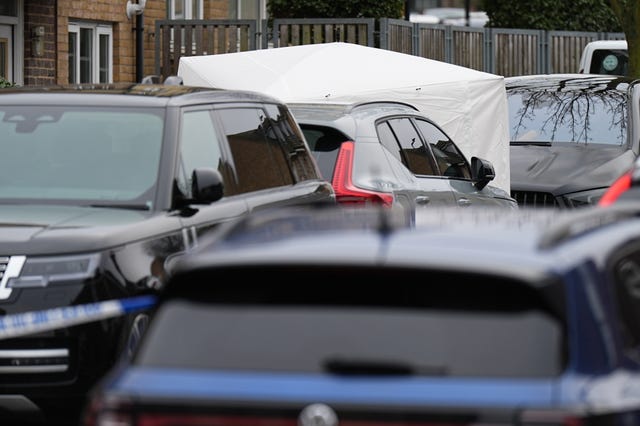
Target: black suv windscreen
(87, 154)
(432, 325)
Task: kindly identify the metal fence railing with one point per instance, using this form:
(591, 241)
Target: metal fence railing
(499, 51)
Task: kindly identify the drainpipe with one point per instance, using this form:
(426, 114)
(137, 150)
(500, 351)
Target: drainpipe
(137, 9)
(139, 47)
(467, 7)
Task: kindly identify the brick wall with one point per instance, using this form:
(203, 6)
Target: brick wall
(51, 66)
(39, 67)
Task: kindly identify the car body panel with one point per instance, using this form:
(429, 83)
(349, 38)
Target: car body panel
(98, 194)
(266, 352)
(569, 162)
(306, 388)
(571, 168)
(375, 168)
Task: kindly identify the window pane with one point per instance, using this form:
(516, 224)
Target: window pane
(178, 9)
(73, 58)
(4, 58)
(9, 7)
(450, 160)
(569, 117)
(200, 147)
(249, 9)
(195, 9)
(89, 153)
(253, 157)
(414, 153)
(454, 327)
(86, 52)
(104, 59)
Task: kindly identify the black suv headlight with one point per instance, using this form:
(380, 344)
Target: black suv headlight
(41, 271)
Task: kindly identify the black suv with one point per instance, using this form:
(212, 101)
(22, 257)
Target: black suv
(99, 185)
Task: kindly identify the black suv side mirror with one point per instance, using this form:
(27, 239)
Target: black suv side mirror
(482, 172)
(206, 185)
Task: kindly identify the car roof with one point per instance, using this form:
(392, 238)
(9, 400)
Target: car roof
(126, 93)
(539, 82)
(523, 244)
(331, 111)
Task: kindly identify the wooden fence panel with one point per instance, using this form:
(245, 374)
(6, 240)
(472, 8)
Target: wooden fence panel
(397, 35)
(177, 38)
(295, 32)
(468, 47)
(432, 41)
(517, 53)
(499, 51)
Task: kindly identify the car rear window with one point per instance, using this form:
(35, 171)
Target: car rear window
(426, 324)
(324, 143)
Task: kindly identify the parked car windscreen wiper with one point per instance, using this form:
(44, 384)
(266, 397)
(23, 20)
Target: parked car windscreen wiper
(375, 367)
(536, 143)
(122, 206)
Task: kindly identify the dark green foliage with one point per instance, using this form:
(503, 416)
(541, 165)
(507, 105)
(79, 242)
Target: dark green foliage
(5, 83)
(335, 9)
(574, 15)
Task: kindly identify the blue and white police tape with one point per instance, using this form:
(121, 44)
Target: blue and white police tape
(50, 319)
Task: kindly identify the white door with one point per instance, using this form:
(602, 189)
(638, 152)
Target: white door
(6, 53)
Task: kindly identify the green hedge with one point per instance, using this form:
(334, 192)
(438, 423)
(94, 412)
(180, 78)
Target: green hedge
(282, 9)
(550, 15)
(5, 83)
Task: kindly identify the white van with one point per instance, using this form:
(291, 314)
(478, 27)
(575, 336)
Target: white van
(605, 57)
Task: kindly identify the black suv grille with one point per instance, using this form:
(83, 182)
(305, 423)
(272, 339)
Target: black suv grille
(4, 261)
(535, 199)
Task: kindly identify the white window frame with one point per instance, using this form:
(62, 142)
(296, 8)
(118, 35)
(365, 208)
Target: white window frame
(189, 13)
(97, 30)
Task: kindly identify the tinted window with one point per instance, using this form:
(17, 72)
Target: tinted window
(199, 148)
(577, 116)
(450, 160)
(324, 143)
(414, 154)
(389, 141)
(284, 127)
(257, 159)
(472, 326)
(606, 61)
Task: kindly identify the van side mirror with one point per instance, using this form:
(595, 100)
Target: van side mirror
(482, 172)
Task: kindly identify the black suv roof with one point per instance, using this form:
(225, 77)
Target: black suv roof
(176, 94)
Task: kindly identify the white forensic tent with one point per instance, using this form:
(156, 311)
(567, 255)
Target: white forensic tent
(470, 105)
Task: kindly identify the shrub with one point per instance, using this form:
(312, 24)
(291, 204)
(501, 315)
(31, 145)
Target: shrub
(282, 9)
(5, 83)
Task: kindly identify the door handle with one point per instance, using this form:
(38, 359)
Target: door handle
(422, 199)
(464, 202)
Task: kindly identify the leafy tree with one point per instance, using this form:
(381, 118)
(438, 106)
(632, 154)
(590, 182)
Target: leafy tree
(335, 9)
(574, 15)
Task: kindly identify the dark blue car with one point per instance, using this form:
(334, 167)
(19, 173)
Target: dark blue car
(320, 317)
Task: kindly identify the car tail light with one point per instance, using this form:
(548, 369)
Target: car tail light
(552, 418)
(615, 190)
(346, 191)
